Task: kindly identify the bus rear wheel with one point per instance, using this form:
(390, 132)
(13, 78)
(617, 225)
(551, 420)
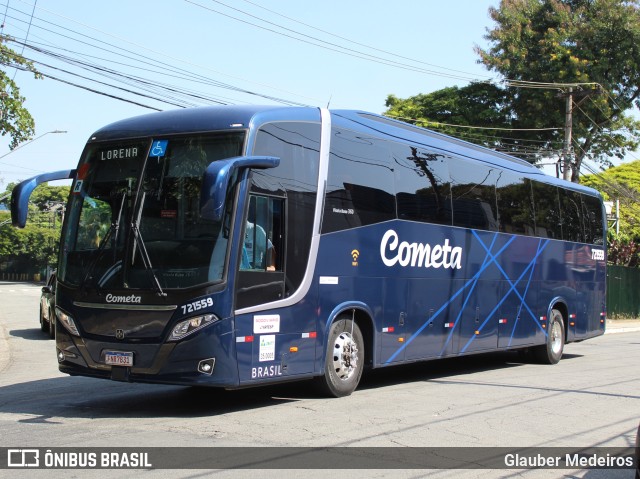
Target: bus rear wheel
(344, 359)
(551, 351)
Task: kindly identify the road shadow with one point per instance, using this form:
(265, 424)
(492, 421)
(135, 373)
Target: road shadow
(98, 398)
(33, 334)
(441, 368)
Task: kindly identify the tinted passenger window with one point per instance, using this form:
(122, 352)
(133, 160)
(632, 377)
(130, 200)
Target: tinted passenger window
(422, 184)
(515, 204)
(473, 190)
(360, 183)
(547, 210)
(572, 227)
(592, 217)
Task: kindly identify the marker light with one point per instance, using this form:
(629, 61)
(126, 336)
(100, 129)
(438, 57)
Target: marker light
(190, 326)
(67, 322)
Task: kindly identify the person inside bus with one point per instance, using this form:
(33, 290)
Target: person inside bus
(257, 250)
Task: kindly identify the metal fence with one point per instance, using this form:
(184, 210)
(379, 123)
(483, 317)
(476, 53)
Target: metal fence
(623, 292)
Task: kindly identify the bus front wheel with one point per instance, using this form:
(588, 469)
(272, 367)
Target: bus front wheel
(344, 359)
(551, 351)
(44, 326)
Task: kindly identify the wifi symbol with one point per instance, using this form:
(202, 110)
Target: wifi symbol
(354, 254)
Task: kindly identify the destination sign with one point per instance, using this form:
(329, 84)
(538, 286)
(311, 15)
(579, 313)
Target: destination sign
(119, 153)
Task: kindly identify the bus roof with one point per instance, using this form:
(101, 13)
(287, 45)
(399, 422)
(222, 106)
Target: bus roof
(228, 117)
(187, 120)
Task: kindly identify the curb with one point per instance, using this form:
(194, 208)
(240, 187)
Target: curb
(622, 326)
(630, 329)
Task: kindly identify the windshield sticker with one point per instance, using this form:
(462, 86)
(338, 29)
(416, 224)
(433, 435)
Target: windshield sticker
(82, 171)
(80, 176)
(159, 148)
(77, 189)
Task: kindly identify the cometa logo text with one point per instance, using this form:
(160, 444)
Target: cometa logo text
(424, 255)
(110, 298)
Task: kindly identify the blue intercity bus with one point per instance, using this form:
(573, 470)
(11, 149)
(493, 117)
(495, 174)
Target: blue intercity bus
(240, 246)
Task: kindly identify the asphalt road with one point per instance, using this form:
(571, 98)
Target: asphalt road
(591, 398)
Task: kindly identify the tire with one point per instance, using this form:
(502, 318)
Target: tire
(551, 351)
(52, 324)
(344, 360)
(44, 325)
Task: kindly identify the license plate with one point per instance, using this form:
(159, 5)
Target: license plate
(118, 358)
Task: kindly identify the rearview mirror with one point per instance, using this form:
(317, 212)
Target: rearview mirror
(217, 176)
(22, 192)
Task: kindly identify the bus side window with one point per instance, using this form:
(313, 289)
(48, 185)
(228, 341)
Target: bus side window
(592, 216)
(547, 210)
(473, 191)
(515, 204)
(423, 186)
(572, 225)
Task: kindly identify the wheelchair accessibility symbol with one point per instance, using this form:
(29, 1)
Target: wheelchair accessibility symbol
(159, 148)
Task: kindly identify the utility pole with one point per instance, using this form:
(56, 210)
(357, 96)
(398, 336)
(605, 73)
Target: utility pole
(566, 164)
(568, 125)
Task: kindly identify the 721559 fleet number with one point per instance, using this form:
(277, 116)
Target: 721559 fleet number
(196, 305)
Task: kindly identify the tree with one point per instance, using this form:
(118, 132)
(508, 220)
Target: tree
(622, 183)
(481, 104)
(595, 43)
(32, 249)
(590, 46)
(15, 119)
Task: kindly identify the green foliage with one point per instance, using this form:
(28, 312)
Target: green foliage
(481, 104)
(623, 252)
(478, 103)
(623, 183)
(572, 41)
(15, 120)
(591, 42)
(36, 246)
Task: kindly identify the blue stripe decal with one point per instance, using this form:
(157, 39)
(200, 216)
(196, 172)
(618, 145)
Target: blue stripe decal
(515, 323)
(511, 289)
(471, 281)
(513, 285)
(464, 305)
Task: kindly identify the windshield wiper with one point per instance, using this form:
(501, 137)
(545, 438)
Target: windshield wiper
(139, 242)
(112, 231)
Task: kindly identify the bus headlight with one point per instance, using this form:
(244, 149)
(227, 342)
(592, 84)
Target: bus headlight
(190, 326)
(67, 322)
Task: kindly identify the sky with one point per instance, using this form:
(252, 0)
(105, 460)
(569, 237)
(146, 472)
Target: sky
(345, 54)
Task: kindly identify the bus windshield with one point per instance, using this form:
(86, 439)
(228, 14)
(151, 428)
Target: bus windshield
(134, 221)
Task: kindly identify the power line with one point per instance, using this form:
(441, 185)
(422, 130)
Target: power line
(91, 42)
(324, 44)
(354, 41)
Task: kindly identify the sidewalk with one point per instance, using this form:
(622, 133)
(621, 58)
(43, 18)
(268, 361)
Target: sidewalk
(622, 325)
